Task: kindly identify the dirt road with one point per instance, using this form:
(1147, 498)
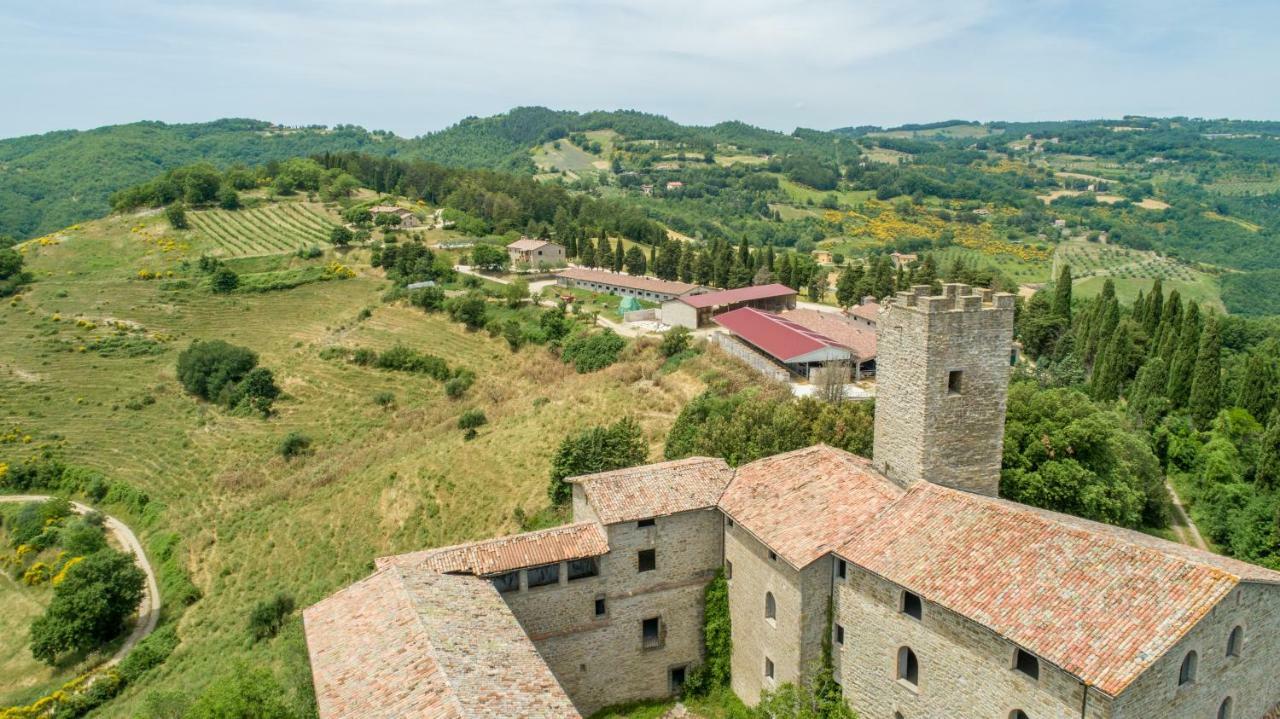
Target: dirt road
(149, 607)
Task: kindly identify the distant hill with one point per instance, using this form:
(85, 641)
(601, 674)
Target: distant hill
(56, 179)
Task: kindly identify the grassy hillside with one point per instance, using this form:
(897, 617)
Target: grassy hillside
(87, 370)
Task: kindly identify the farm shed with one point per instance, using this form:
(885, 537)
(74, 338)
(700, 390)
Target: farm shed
(797, 348)
(694, 311)
(624, 285)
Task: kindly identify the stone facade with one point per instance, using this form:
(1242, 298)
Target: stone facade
(943, 376)
(1249, 679)
(604, 660)
(792, 639)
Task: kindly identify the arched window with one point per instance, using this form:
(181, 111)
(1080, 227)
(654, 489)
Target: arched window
(1224, 711)
(1235, 642)
(908, 667)
(1017, 714)
(1187, 674)
(770, 606)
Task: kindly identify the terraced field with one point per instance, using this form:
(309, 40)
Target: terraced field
(270, 230)
(1133, 270)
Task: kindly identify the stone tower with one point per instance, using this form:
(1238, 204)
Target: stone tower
(942, 367)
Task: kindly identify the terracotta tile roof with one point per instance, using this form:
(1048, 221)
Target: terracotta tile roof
(1101, 602)
(858, 337)
(867, 311)
(504, 554)
(634, 282)
(784, 340)
(526, 244)
(742, 294)
(655, 490)
(421, 644)
(806, 503)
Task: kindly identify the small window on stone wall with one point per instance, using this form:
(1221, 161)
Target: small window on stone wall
(1027, 664)
(770, 606)
(773, 556)
(1235, 642)
(728, 569)
(544, 575)
(647, 560)
(955, 381)
(1224, 709)
(768, 668)
(1187, 673)
(646, 522)
(841, 569)
(600, 607)
(839, 635)
(650, 632)
(912, 606)
(583, 568)
(1018, 714)
(908, 667)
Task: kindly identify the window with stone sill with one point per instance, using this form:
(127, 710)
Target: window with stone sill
(1026, 663)
(770, 607)
(647, 560)
(908, 667)
(651, 633)
(1187, 674)
(1235, 642)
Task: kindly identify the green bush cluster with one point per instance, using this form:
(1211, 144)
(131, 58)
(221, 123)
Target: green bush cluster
(268, 616)
(219, 372)
(596, 449)
(294, 444)
(589, 352)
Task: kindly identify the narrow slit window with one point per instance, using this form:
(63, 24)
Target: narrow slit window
(839, 634)
(955, 381)
(768, 668)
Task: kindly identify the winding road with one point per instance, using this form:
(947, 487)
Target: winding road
(149, 607)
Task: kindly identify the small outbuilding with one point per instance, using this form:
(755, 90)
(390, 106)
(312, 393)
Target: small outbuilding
(694, 311)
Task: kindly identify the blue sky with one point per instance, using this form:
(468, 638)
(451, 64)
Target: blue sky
(413, 66)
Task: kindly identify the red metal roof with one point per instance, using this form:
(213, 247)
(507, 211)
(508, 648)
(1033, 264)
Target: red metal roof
(783, 339)
(742, 294)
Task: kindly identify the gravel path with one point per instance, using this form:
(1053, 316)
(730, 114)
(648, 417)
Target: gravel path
(149, 607)
(1182, 524)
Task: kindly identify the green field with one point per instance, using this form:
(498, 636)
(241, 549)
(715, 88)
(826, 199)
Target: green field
(268, 230)
(802, 194)
(1018, 270)
(380, 480)
(1132, 270)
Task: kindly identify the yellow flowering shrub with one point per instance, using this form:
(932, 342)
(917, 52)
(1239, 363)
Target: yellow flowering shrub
(62, 573)
(36, 574)
(338, 270)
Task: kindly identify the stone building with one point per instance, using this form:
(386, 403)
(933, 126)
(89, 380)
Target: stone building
(939, 599)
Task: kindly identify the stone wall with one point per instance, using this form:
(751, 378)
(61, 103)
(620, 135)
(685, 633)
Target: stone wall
(927, 427)
(603, 660)
(792, 640)
(739, 350)
(1249, 679)
(965, 670)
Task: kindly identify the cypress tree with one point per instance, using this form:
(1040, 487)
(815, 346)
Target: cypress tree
(618, 255)
(1268, 473)
(604, 252)
(588, 253)
(1184, 357)
(653, 255)
(1147, 399)
(1112, 368)
(847, 285)
(744, 253)
(1170, 326)
(770, 260)
(1062, 294)
(1255, 394)
(1155, 308)
(928, 273)
(786, 271)
(570, 245)
(1102, 330)
(1206, 384)
(686, 265)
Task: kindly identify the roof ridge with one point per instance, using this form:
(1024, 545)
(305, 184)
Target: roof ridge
(696, 459)
(452, 694)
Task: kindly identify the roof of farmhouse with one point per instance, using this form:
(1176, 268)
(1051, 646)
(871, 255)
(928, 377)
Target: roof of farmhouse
(418, 643)
(504, 554)
(741, 294)
(655, 490)
(621, 279)
(527, 244)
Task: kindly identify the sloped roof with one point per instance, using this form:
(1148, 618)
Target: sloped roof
(856, 336)
(526, 244)
(504, 554)
(655, 490)
(785, 340)
(1101, 602)
(806, 503)
(421, 644)
(867, 311)
(621, 279)
(741, 294)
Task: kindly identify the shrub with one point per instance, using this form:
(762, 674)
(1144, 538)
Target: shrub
(457, 385)
(470, 309)
(268, 616)
(472, 419)
(224, 281)
(364, 357)
(216, 371)
(89, 607)
(176, 214)
(403, 359)
(591, 352)
(675, 341)
(294, 444)
(245, 693)
(597, 449)
(430, 299)
(340, 236)
(384, 399)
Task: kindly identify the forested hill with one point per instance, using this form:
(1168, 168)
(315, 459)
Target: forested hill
(53, 180)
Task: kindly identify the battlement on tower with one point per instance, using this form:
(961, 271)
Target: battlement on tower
(943, 374)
